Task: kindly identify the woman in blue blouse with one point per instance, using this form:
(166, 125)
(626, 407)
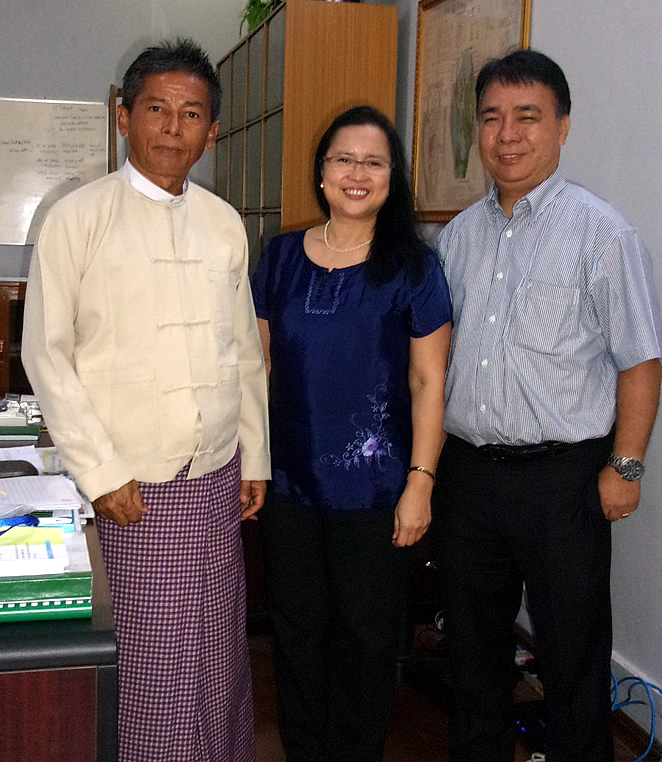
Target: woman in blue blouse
(354, 317)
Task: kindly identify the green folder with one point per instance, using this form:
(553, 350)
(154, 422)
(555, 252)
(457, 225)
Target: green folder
(53, 596)
(65, 595)
(27, 433)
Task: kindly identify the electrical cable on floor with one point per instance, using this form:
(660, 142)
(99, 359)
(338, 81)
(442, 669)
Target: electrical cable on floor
(629, 701)
(630, 681)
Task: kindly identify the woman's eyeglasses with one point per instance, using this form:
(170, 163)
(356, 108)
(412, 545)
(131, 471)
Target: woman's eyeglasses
(347, 164)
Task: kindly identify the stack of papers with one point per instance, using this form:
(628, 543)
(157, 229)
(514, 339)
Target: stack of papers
(37, 550)
(14, 423)
(32, 551)
(25, 494)
(14, 417)
(26, 452)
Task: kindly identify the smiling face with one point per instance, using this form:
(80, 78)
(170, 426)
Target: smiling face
(169, 127)
(351, 191)
(520, 138)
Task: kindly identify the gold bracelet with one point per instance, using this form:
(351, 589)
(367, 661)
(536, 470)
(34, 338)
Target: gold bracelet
(424, 471)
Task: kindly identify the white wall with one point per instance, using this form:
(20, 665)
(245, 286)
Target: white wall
(610, 52)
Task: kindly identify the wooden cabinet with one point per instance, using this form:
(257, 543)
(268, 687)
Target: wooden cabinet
(282, 87)
(12, 375)
(58, 682)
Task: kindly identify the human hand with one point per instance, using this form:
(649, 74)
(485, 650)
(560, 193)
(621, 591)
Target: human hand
(252, 498)
(412, 513)
(123, 506)
(619, 498)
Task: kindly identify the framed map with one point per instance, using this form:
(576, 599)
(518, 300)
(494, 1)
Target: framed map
(455, 39)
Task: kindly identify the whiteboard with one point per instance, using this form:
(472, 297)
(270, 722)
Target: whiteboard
(47, 148)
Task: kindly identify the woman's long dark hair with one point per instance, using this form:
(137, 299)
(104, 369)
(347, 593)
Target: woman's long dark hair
(397, 244)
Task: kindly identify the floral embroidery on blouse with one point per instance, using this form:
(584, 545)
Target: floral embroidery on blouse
(326, 292)
(371, 445)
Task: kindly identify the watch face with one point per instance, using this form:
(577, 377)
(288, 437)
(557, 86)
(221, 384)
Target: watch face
(629, 469)
(632, 469)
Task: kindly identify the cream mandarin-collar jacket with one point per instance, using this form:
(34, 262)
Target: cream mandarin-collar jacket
(140, 338)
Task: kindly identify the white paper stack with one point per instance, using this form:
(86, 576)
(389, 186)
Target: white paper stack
(31, 551)
(37, 493)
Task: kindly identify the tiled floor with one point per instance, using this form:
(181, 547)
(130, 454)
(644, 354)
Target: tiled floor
(418, 729)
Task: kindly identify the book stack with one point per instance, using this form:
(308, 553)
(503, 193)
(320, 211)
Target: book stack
(45, 572)
(66, 519)
(43, 591)
(32, 551)
(14, 426)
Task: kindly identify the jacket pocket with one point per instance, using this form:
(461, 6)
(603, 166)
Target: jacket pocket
(223, 294)
(125, 400)
(223, 289)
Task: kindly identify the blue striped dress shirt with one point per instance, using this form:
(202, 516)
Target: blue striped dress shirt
(548, 308)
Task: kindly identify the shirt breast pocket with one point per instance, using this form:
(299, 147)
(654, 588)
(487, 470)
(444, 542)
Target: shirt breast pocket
(544, 317)
(223, 289)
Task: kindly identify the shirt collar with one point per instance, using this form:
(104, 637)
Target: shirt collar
(147, 187)
(534, 201)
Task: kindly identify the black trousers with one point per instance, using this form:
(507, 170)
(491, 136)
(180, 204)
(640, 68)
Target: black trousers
(336, 590)
(498, 524)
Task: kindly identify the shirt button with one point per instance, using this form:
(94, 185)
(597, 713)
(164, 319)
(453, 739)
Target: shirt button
(482, 408)
(499, 276)
(484, 363)
(492, 318)
(509, 233)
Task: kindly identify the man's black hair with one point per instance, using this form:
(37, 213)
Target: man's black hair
(180, 56)
(525, 67)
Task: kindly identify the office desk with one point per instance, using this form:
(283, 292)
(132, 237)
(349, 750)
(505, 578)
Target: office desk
(58, 682)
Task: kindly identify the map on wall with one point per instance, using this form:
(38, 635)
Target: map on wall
(455, 39)
(47, 149)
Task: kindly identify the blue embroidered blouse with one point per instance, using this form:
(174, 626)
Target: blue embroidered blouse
(340, 408)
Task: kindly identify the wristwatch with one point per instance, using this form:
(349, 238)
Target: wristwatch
(629, 469)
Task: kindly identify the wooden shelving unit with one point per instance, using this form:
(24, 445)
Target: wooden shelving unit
(282, 86)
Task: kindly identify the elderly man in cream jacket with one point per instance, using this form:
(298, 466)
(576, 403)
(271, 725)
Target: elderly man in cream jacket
(141, 344)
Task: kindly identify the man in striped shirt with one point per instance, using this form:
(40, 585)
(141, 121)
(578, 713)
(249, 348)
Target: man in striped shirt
(552, 392)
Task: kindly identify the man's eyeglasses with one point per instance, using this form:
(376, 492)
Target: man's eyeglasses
(347, 164)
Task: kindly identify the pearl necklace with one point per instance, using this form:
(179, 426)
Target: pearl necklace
(342, 251)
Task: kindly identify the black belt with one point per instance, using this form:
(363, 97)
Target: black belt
(522, 452)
